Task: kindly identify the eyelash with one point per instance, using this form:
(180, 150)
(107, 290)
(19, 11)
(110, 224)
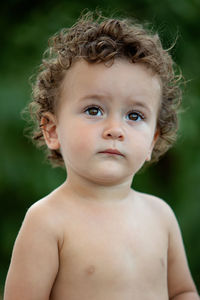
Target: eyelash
(98, 108)
(138, 114)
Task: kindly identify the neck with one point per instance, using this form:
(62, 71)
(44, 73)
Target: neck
(98, 192)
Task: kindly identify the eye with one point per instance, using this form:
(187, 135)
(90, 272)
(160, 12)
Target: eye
(135, 116)
(93, 111)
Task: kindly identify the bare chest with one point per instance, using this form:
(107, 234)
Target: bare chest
(118, 255)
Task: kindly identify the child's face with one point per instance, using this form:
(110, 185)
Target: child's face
(104, 108)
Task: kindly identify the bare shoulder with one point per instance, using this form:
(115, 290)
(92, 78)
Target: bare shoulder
(43, 209)
(154, 202)
(41, 234)
(158, 207)
(46, 213)
(179, 278)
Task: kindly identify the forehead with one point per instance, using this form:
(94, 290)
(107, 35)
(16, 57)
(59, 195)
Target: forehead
(121, 80)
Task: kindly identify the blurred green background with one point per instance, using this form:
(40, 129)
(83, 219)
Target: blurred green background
(24, 177)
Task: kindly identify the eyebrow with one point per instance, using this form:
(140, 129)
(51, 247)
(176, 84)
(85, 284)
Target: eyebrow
(101, 97)
(94, 96)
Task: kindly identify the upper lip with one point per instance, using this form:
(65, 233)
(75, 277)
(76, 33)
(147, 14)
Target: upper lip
(112, 151)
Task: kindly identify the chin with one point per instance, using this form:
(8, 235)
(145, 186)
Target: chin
(108, 181)
(108, 178)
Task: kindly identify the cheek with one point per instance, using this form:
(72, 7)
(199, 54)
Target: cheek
(141, 144)
(77, 140)
(80, 145)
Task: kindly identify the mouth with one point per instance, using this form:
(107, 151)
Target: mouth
(112, 152)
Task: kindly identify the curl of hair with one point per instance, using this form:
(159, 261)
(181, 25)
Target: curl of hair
(103, 40)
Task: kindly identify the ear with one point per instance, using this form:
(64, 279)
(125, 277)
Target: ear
(155, 138)
(49, 129)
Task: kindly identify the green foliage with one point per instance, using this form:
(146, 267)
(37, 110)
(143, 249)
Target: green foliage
(24, 178)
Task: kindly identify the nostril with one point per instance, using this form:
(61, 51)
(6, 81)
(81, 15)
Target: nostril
(113, 133)
(114, 136)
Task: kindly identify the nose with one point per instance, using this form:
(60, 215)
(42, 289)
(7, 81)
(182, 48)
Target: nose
(113, 131)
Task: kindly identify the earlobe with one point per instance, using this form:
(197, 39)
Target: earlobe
(156, 136)
(148, 158)
(49, 129)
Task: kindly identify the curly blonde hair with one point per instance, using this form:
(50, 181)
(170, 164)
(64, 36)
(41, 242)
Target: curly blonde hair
(100, 39)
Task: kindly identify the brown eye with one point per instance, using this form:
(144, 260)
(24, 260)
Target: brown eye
(135, 116)
(93, 111)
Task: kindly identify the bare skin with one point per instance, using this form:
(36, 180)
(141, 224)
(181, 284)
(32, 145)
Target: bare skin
(94, 237)
(99, 250)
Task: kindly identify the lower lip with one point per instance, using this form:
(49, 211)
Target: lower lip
(111, 153)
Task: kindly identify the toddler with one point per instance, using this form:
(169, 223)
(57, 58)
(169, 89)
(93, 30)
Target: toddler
(104, 102)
